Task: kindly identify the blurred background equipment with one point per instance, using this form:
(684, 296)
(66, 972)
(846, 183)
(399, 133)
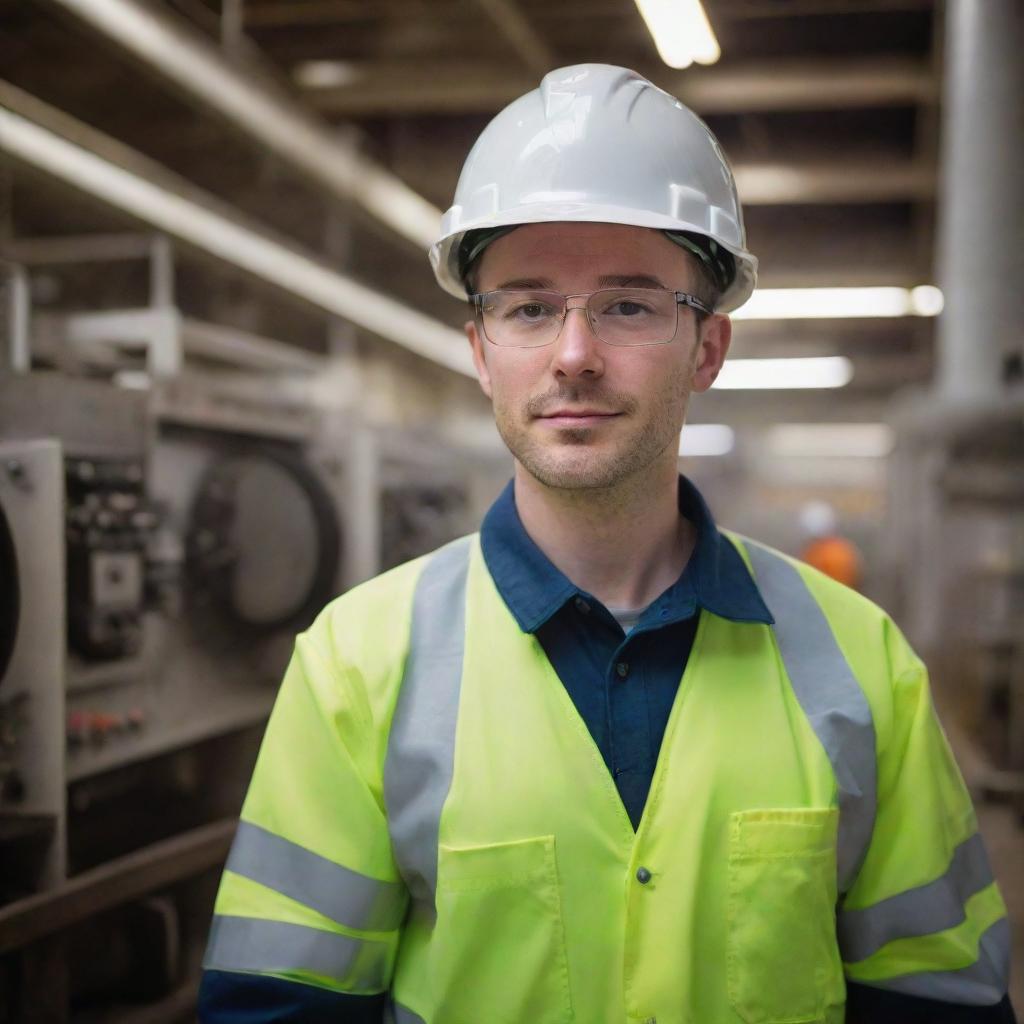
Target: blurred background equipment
(231, 389)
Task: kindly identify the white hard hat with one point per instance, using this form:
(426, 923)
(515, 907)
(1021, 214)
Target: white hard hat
(598, 143)
(818, 519)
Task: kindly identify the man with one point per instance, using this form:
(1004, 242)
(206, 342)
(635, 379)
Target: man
(604, 762)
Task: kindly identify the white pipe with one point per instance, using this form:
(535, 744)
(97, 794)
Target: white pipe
(243, 247)
(263, 111)
(981, 202)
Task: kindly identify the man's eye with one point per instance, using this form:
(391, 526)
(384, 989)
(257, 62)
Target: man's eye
(530, 311)
(626, 307)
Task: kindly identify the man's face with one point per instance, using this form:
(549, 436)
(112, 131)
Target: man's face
(580, 413)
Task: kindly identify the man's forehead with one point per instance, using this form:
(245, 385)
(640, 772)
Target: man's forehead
(601, 248)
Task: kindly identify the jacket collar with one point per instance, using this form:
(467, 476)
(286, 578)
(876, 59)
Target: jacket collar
(716, 578)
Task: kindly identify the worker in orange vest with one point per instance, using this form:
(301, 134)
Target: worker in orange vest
(826, 549)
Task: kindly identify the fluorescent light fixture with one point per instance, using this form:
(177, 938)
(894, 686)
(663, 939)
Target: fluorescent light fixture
(166, 44)
(133, 380)
(325, 74)
(706, 439)
(681, 31)
(927, 300)
(838, 303)
(780, 374)
(830, 440)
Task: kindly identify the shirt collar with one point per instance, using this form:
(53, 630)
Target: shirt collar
(716, 578)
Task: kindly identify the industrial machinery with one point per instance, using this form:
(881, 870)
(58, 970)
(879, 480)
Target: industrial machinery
(156, 571)
(177, 501)
(957, 487)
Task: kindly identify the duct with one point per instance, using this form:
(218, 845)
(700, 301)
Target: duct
(210, 226)
(981, 208)
(256, 105)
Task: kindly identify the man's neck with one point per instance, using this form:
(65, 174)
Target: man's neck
(624, 545)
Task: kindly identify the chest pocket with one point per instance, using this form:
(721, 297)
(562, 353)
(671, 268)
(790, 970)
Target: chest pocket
(500, 939)
(783, 958)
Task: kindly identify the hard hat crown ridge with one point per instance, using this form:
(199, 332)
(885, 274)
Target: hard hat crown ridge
(597, 143)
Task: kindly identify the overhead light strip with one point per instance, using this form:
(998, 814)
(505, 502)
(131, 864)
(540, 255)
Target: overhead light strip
(840, 303)
(701, 439)
(831, 440)
(681, 31)
(784, 374)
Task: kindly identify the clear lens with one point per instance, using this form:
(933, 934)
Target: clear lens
(619, 316)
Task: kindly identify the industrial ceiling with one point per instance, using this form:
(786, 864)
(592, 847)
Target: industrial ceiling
(828, 110)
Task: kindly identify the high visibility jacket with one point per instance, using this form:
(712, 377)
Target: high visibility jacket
(429, 816)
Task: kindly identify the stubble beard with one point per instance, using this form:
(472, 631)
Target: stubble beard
(570, 460)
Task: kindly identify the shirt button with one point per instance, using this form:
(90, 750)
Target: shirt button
(622, 670)
(643, 876)
(581, 605)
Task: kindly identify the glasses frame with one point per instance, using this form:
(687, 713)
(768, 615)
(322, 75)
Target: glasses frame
(682, 299)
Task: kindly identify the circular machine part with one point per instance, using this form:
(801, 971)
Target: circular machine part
(10, 594)
(264, 543)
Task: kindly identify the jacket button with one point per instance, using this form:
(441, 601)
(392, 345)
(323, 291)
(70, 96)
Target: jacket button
(643, 876)
(581, 606)
(622, 669)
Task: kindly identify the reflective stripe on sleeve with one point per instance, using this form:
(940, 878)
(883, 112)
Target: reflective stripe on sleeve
(924, 910)
(338, 893)
(983, 983)
(275, 947)
(420, 757)
(403, 1015)
(831, 698)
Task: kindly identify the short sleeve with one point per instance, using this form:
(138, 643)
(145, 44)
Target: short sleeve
(310, 893)
(924, 916)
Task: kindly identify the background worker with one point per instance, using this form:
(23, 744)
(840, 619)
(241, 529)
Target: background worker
(826, 548)
(604, 762)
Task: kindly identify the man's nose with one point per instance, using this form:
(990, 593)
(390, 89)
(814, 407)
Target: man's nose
(578, 351)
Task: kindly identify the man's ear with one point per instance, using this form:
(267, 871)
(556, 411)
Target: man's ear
(479, 347)
(712, 347)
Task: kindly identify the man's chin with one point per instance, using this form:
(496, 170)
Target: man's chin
(577, 471)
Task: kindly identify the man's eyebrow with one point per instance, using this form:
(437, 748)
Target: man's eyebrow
(630, 281)
(527, 282)
(606, 281)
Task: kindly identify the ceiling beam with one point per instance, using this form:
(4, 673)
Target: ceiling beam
(71, 152)
(258, 107)
(532, 48)
(837, 181)
(397, 89)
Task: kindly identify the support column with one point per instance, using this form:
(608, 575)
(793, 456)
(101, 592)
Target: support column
(981, 211)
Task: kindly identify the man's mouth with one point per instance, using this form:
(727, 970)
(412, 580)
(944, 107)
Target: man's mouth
(584, 417)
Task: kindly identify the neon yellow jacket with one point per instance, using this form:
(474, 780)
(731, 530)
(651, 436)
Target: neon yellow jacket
(429, 816)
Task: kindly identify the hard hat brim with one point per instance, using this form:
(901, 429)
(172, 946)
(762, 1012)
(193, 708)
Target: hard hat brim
(444, 253)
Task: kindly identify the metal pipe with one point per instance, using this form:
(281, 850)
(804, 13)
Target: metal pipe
(210, 229)
(19, 312)
(259, 107)
(981, 209)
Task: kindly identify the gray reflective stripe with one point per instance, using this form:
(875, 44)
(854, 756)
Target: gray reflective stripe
(924, 910)
(831, 698)
(403, 1015)
(983, 983)
(338, 893)
(273, 947)
(421, 747)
